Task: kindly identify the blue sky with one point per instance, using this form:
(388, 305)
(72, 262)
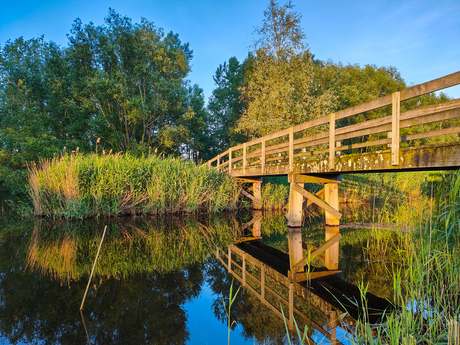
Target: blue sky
(420, 38)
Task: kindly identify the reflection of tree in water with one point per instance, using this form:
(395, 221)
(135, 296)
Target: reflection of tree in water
(136, 305)
(142, 245)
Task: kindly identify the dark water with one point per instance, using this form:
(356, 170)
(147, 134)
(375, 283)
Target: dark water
(157, 281)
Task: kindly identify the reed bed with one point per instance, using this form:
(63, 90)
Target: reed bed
(274, 196)
(427, 287)
(79, 186)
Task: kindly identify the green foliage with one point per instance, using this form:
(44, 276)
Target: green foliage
(281, 93)
(77, 186)
(226, 105)
(117, 86)
(274, 196)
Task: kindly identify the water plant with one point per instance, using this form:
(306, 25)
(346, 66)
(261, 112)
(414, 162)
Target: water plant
(78, 186)
(427, 287)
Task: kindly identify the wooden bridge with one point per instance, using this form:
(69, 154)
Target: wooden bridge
(320, 150)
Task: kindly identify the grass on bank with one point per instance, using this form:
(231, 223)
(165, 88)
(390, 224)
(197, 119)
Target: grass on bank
(79, 186)
(427, 287)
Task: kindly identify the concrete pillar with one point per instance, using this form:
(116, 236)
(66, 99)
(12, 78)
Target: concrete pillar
(294, 215)
(331, 254)
(257, 190)
(294, 237)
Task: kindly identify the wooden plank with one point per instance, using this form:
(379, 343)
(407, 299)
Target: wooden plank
(311, 124)
(362, 108)
(431, 86)
(395, 135)
(317, 200)
(309, 248)
(253, 198)
(431, 109)
(331, 141)
(430, 118)
(300, 178)
(307, 202)
(439, 132)
(248, 179)
(300, 277)
(276, 135)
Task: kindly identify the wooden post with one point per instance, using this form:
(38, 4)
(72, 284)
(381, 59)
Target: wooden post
(291, 305)
(332, 141)
(294, 237)
(262, 282)
(257, 190)
(395, 137)
(244, 269)
(294, 215)
(229, 160)
(229, 259)
(257, 225)
(262, 157)
(334, 324)
(291, 149)
(218, 163)
(331, 195)
(244, 159)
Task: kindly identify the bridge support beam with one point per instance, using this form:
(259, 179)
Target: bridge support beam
(294, 237)
(257, 190)
(294, 215)
(331, 255)
(330, 205)
(256, 195)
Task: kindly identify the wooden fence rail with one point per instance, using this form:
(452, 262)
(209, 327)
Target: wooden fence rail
(328, 136)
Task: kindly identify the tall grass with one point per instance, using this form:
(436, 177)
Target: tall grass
(274, 196)
(427, 287)
(78, 186)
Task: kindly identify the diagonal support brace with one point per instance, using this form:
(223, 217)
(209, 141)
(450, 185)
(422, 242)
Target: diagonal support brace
(314, 199)
(306, 260)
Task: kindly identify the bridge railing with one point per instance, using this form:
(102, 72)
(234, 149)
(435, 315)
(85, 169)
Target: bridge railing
(329, 136)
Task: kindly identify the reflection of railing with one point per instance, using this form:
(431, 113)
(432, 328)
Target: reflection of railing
(259, 288)
(322, 137)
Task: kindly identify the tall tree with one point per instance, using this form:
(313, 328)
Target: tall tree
(133, 83)
(226, 104)
(281, 90)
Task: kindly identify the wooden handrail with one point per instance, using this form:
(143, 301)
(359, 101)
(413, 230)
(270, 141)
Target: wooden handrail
(289, 140)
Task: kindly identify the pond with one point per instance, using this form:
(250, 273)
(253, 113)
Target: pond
(168, 280)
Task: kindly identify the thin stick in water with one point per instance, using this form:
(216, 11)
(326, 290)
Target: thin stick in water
(92, 271)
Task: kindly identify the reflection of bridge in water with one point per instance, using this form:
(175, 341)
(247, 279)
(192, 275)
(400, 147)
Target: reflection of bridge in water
(316, 297)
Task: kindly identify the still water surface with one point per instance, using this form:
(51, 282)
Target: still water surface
(157, 281)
